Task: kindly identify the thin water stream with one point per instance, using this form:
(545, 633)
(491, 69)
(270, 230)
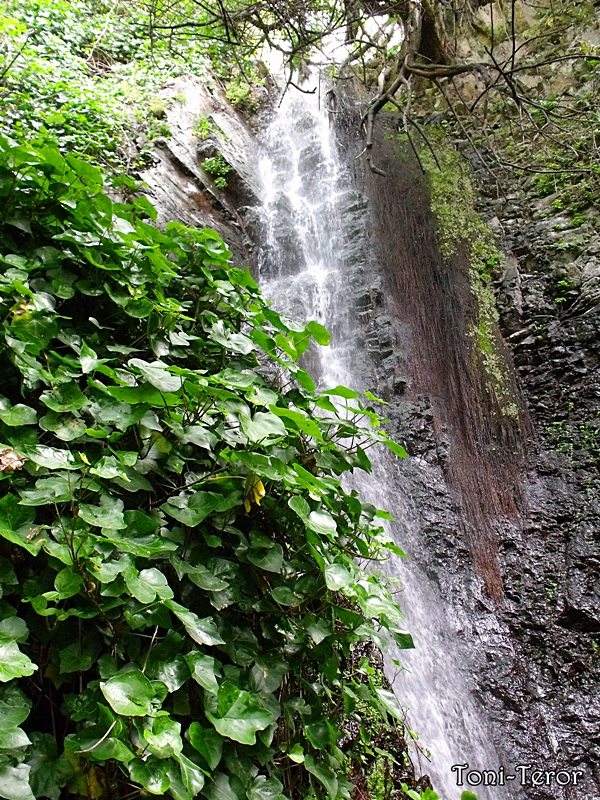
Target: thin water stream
(315, 229)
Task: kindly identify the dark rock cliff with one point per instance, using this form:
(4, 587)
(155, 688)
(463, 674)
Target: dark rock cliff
(513, 502)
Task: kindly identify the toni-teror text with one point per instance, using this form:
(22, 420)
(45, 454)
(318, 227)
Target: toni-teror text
(525, 774)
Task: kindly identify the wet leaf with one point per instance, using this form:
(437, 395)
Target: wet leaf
(130, 694)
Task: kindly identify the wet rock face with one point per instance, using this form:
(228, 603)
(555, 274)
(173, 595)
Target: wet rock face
(548, 296)
(535, 658)
(179, 185)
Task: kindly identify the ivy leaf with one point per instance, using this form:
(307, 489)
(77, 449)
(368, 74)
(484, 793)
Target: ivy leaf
(151, 774)
(203, 670)
(337, 577)
(64, 426)
(200, 436)
(164, 739)
(240, 714)
(192, 775)
(207, 742)
(262, 426)
(323, 774)
(296, 754)
(173, 672)
(109, 514)
(192, 509)
(18, 415)
(389, 702)
(13, 738)
(395, 448)
(300, 506)
(319, 333)
(202, 631)
(109, 749)
(52, 458)
(15, 523)
(147, 584)
(79, 656)
(13, 663)
(301, 420)
(66, 397)
(158, 375)
(232, 341)
(14, 783)
(285, 596)
(319, 734)
(129, 694)
(271, 559)
(221, 788)
(322, 522)
(108, 467)
(342, 391)
(263, 788)
(67, 583)
(49, 773)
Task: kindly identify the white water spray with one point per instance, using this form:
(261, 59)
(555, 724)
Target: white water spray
(315, 225)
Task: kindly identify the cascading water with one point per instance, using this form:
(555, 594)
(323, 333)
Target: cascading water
(314, 245)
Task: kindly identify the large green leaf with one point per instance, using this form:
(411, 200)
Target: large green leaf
(322, 522)
(203, 670)
(337, 577)
(239, 714)
(16, 522)
(147, 584)
(66, 397)
(191, 774)
(52, 457)
(18, 415)
(164, 738)
(207, 742)
(323, 773)
(270, 559)
(151, 774)
(301, 421)
(202, 631)
(389, 703)
(192, 509)
(221, 788)
(109, 514)
(262, 425)
(237, 342)
(157, 375)
(49, 773)
(263, 788)
(13, 663)
(130, 694)
(14, 783)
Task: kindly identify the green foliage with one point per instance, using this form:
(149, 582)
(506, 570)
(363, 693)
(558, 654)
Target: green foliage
(178, 559)
(83, 75)
(218, 168)
(239, 93)
(204, 128)
(460, 228)
(429, 794)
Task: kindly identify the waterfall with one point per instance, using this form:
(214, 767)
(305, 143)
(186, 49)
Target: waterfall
(314, 251)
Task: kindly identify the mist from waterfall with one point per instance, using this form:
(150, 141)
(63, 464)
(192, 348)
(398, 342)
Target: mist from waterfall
(315, 225)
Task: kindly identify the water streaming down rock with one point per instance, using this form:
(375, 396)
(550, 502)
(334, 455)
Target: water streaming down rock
(314, 260)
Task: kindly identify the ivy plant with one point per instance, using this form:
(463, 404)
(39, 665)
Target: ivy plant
(179, 563)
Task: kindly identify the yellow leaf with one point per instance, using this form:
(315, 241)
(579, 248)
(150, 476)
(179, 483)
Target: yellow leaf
(254, 491)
